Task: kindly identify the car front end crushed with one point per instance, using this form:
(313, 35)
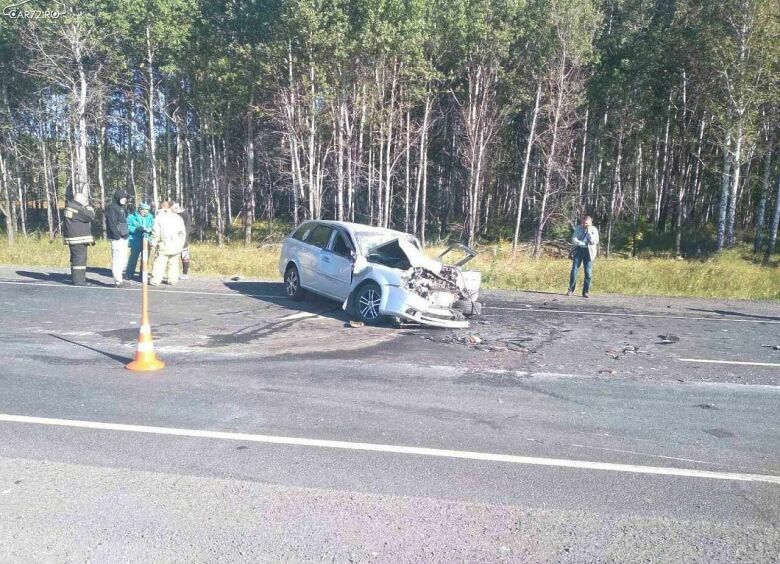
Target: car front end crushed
(418, 289)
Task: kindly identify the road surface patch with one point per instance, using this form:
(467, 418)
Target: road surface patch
(621, 314)
(734, 362)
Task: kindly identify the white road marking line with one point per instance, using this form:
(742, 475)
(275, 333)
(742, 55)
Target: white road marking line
(279, 296)
(650, 315)
(301, 315)
(650, 455)
(395, 449)
(736, 362)
(167, 291)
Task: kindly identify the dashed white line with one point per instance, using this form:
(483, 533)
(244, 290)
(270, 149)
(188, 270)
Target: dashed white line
(735, 362)
(395, 449)
(650, 315)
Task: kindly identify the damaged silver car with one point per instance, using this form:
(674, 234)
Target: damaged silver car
(379, 273)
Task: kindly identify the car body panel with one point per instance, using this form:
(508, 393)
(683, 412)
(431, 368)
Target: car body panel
(414, 287)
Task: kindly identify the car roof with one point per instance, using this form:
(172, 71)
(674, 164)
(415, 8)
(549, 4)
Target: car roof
(357, 227)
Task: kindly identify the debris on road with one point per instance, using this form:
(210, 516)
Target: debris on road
(480, 343)
(668, 339)
(355, 324)
(627, 348)
(773, 347)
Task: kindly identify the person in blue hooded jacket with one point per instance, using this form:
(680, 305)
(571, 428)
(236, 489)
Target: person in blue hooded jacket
(140, 224)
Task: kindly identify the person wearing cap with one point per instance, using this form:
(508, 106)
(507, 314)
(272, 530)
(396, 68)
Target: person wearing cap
(77, 232)
(139, 225)
(117, 230)
(185, 253)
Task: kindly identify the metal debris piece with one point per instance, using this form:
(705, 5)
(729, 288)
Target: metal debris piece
(355, 324)
(773, 347)
(668, 339)
(515, 340)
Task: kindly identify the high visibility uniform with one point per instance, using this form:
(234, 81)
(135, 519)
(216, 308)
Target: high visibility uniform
(77, 232)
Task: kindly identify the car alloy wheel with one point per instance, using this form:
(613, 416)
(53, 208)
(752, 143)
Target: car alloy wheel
(368, 301)
(292, 283)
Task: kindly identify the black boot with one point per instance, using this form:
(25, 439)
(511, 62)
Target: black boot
(79, 276)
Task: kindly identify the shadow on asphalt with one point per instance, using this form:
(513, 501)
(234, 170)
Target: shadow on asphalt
(122, 359)
(64, 278)
(727, 313)
(271, 293)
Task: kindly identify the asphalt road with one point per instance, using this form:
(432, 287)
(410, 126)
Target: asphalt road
(554, 429)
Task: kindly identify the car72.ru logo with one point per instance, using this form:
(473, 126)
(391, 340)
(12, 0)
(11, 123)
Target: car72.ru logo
(22, 10)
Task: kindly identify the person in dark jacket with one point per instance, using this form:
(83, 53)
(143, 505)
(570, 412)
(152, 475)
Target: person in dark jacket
(77, 232)
(185, 253)
(116, 222)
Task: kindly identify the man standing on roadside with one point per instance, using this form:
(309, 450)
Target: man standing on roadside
(139, 224)
(168, 235)
(77, 232)
(585, 241)
(116, 223)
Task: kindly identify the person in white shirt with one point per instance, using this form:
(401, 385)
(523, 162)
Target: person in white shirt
(585, 241)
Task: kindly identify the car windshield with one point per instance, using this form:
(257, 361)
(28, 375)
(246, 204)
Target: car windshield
(368, 240)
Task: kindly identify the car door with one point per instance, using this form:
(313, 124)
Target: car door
(317, 239)
(335, 266)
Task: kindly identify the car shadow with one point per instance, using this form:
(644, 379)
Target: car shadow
(727, 313)
(273, 293)
(64, 278)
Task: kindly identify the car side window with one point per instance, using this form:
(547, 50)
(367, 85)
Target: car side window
(319, 236)
(301, 233)
(340, 246)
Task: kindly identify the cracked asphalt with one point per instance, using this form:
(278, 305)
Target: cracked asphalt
(682, 385)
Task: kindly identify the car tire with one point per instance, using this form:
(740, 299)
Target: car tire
(468, 308)
(366, 303)
(292, 283)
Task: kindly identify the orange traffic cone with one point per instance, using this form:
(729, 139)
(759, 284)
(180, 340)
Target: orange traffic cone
(145, 359)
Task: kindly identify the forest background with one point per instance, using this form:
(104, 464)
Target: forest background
(492, 122)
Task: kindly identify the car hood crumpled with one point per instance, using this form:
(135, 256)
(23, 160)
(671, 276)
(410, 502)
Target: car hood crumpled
(417, 258)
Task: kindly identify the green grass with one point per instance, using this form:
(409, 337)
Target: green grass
(733, 274)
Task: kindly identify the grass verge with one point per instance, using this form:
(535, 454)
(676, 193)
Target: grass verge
(732, 274)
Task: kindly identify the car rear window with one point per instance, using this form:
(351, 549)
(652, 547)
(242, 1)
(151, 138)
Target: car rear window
(301, 233)
(319, 236)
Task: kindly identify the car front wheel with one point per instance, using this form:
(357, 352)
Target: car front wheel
(292, 283)
(367, 302)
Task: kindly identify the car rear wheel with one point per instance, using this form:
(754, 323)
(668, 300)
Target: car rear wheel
(292, 283)
(367, 302)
